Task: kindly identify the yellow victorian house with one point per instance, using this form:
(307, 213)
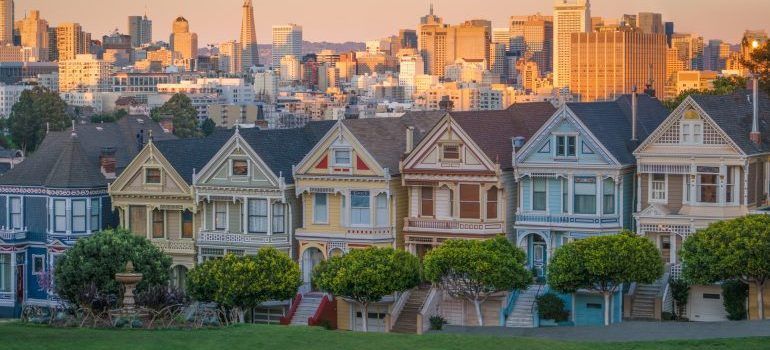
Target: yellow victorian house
(352, 195)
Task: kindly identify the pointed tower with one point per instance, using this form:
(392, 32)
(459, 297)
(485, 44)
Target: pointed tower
(250, 53)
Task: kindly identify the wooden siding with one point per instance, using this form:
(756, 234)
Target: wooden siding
(675, 192)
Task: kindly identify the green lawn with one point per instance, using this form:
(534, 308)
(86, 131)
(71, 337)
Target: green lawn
(252, 337)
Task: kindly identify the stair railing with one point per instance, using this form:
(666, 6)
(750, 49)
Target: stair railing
(325, 311)
(395, 311)
(429, 308)
(534, 310)
(285, 320)
(509, 304)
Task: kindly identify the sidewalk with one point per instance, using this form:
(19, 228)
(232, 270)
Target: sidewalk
(630, 331)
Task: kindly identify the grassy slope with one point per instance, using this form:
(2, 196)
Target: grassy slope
(15, 336)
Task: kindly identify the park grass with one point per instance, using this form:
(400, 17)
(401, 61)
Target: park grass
(18, 336)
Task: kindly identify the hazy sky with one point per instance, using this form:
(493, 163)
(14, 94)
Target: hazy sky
(360, 20)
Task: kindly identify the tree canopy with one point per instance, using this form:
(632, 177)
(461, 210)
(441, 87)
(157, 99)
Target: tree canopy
(183, 114)
(94, 261)
(367, 275)
(208, 127)
(758, 63)
(38, 109)
(603, 264)
(474, 270)
(242, 283)
(731, 249)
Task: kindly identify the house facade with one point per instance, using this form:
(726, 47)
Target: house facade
(700, 166)
(576, 180)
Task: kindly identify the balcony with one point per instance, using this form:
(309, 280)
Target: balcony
(567, 220)
(429, 225)
(8, 234)
(365, 234)
(238, 239)
(175, 246)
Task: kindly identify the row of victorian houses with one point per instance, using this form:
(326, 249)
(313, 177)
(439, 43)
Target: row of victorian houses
(541, 175)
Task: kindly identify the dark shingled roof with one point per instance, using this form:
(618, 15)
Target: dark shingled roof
(385, 138)
(610, 122)
(734, 114)
(493, 130)
(64, 161)
(279, 149)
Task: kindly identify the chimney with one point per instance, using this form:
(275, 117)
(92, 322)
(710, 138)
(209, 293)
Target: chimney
(409, 139)
(755, 136)
(107, 162)
(634, 111)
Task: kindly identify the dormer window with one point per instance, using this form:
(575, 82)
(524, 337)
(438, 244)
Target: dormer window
(342, 158)
(152, 176)
(566, 146)
(450, 152)
(240, 167)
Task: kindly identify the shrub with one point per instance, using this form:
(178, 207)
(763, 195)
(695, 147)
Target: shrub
(160, 297)
(680, 292)
(437, 322)
(735, 294)
(551, 307)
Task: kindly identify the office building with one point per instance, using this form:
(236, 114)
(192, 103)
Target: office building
(410, 67)
(230, 57)
(407, 39)
(516, 42)
(71, 41)
(84, 73)
(9, 95)
(715, 55)
(569, 17)
(266, 83)
(690, 48)
(184, 43)
(250, 55)
(538, 41)
(140, 30)
(291, 69)
(33, 31)
(6, 22)
(650, 23)
(433, 41)
(287, 41)
(469, 41)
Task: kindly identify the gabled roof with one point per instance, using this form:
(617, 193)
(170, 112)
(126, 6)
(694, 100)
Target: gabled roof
(610, 122)
(734, 115)
(493, 130)
(385, 138)
(190, 155)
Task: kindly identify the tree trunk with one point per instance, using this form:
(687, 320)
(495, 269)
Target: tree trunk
(760, 300)
(607, 297)
(365, 316)
(241, 315)
(477, 304)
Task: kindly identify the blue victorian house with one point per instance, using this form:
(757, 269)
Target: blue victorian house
(576, 180)
(56, 196)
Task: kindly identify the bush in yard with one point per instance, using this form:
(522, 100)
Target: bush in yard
(680, 292)
(551, 307)
(437, 322)
(735, 294)
(86, 272)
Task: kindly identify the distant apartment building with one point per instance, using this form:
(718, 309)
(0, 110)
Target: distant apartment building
(228, 116)
(409, 68)
(9, 95)
(266, 83)
(6, 22)
(71, 41)
(287, 41)
(140, 30)
(84, 73)
(695, 80)
(569, 17)
(33, 31)
(433, 43)
(230, 57)
(291, 69)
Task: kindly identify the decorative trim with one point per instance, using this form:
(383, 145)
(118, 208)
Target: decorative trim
(53, 192)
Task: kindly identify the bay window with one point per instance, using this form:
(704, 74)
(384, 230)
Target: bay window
(79, 215)
(320, 209)
(257, 211)
(539, 194)
(469, 202)
(609, 196)
(360, 208)
(381, 213)
(658, 188)
(707, 188)
(279, 218)
(585, 195)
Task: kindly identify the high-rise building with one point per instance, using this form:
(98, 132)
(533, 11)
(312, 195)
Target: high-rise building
(291, 68)
(230, 57)
(538, 40)
(250, 56)
(433, 41)
(668, 28)
(497, 60)
(6, 22)
(469, 41)
(715, 55)
(409, 68)
(516, 35)
(71, 41)
(266, 83)
(183, 42)
(34, 33)
(609, 63)
(140, 30)
(569, 17)
(84, 73)
(407, 38)
(287, 41)
(501, 36)
(690, 49)
(651, 23)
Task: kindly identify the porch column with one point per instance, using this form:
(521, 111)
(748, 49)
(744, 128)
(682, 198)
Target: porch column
(673, 257)
(570, 195)
(270, 216)
(599, 195)
(244, 215)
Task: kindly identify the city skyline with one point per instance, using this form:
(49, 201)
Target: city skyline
(220, 21)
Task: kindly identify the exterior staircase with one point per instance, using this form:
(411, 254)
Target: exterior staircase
(306, 309)
(521, 315)
(643, 307)
(407, 320)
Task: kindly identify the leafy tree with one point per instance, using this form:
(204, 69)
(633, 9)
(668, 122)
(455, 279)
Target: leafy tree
(184, 115)
(94, 261)
(242, 283)
(735, 295)
(36, 108)
(474, 270)
(732, 249)
(208, 127)
(604, 264)
(759, 64)
(680, 292)
(365, 276)
(721, 86)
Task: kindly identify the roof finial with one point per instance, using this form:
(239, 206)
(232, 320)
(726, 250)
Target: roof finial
(237, 128)
(73, 134)
(149, 135)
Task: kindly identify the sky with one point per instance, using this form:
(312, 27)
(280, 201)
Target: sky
(360, 20)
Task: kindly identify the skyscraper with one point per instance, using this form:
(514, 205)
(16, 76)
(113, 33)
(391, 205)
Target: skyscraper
(569, 16)
(538, 40)
(516, 33)
(407, 38)
(432, 43)
(183, 42)
(230, 57)
(34, 34)
(651, 23)
(6, 22)
(469, 41)
(140, 30)
(287, 41)
(250, 56)
(71, 41)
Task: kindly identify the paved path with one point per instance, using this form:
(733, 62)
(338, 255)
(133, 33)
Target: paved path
(631, 331)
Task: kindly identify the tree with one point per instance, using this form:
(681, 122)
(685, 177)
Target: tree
(604, 264)
(732, 249)
(38, 109)
(208, 127)
(474, 270)
(242, 283)
(94, 261)
(183, 114)
(365, 276)
(758, 64)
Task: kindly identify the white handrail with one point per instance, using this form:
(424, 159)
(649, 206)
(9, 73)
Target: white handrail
(429, 308)
(398, 306)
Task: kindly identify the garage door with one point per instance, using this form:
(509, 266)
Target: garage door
(706, 304)
(376, 322)
(589, 310)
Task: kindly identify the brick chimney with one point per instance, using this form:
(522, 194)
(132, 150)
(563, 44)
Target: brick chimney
(107, 162)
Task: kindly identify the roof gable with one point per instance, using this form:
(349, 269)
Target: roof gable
(132, 180)
(221, 169)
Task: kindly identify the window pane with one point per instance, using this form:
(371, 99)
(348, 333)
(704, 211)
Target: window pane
(79, 216)
(708, 188)
(240, 168)
(60, 216)
(152, 176)
(278, 218)
(381, 204)
(5, 272)
(492, 203)
(469, 202)
(560, 147)
(158, 224)
(220, 216)
(359, 208)
(609, 196)
(571, 146)
(16, 221)
(257, 215)
(95, 211)
(187, 224)
(585, 195)
(426, 201)
(451, 152)
(564, 195)
(320, 214)
(539, 200)
(342, 157)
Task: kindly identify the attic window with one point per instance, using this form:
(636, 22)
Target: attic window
(342, 158)
(450, 152)
(240, 168)
(152, 176)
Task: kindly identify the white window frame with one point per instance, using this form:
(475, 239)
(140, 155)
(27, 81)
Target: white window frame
(349, 151)
(214, 216)
(650, 192)
(369, 208)
(86, 215)
(325, 219)
(688, 136)
(144, 176)
(278, 220)
(9, 278)
(614, 197)
(248, 168)
(382, 214)
(566, 145)
(735, 184)
(698, 185)
(532, 199)
(97, 204)
(257, 216)
(57, 215)
(20, 213)
(42, 264)
(459, 152)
